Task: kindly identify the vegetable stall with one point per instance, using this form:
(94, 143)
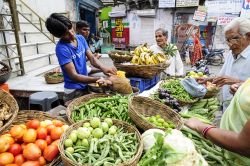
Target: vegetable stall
(114, 129)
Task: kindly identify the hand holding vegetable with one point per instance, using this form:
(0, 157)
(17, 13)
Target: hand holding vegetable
(223, 80)
(104, 82)
(109, 70)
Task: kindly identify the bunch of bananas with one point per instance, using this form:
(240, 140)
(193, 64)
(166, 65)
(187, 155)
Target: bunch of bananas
(142, 55)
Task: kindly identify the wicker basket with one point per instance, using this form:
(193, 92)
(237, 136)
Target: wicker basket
(13, 106)
(50, 80)
(4, 75)
(26, 115)
(127, 127)
(143, 71)
(143, 106)
(79, 101)
(120, 59)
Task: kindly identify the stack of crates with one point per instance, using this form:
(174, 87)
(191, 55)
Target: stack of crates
(143, 83)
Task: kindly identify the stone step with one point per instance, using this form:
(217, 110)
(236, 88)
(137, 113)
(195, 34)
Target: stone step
(37, 61)
(27, 15)
(29, 49)
(41, 71)
(28, 27)
(30, 37)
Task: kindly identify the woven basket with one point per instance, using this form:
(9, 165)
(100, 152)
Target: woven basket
(79, 101)
(120, 59)
(26, 115)
(143, 71)
(50, 80)
(13, 106)
(143, 106)
(4, 75)
(127, 127)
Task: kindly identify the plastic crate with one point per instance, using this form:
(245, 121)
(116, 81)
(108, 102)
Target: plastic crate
(144, 84)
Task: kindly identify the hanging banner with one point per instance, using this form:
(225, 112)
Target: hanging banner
(166, 3)
(187, 3)
(245, 10)
(120, 32)
(199, 16)
(224, 20)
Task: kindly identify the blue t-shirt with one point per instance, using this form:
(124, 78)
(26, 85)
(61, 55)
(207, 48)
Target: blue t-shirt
(67, 53)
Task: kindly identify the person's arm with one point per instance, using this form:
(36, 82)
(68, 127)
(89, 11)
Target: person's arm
(179, 67)
(232, 141)
(74, 76)
(96, 63)
(226, 80)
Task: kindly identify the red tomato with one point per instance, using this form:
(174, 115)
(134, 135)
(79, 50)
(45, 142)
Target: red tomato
(56, 142)
(23, 145)
(8, 138)
(17, 131)
(31, 163)
(56, 133)
(42, 161)
(34, 124)
(11, 165)
(42, 144)
(32, 152)
(57, 123)
(30, 136)
(50, 127)
(6, 158)
(15, 149)
(4, 145)
(50, 152)
(41, 133)
(48, 140)
(19, 159)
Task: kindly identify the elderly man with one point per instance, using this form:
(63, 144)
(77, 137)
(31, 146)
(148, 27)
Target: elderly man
(176, 65)
(237, 65)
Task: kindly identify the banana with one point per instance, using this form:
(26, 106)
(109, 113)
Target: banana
(142, 57)
(154, 60)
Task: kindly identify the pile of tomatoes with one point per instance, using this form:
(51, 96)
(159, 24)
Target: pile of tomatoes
(32, 144)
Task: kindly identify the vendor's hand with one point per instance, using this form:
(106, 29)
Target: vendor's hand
(223, 80)
(234, 88)
(109, 70)
(203, 80)
(97, 55)
(194, 124)
(104, 82)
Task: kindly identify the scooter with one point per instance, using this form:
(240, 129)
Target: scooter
(213, 57)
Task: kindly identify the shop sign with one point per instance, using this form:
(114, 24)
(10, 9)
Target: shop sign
(224, 20)
(187, 3)
(223, 6)
(120, 32)
(199, 16)
(166, 3)
(245, 10)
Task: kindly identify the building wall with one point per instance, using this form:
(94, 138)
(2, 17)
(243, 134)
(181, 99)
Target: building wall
(45, 7)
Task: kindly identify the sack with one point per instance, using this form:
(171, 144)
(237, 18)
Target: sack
(120, 85)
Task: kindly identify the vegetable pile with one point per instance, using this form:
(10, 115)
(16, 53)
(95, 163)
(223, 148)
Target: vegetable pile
(107, 107)
(175, 89)
(34, 143)
(165, 97)
(100, 143)
(55, 75)
(5, 113)
(212, 153)
(170, 149)
(160, 122)
(203, 110)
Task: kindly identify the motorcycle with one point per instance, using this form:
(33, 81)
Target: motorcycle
(200, 66)
(213, 57)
